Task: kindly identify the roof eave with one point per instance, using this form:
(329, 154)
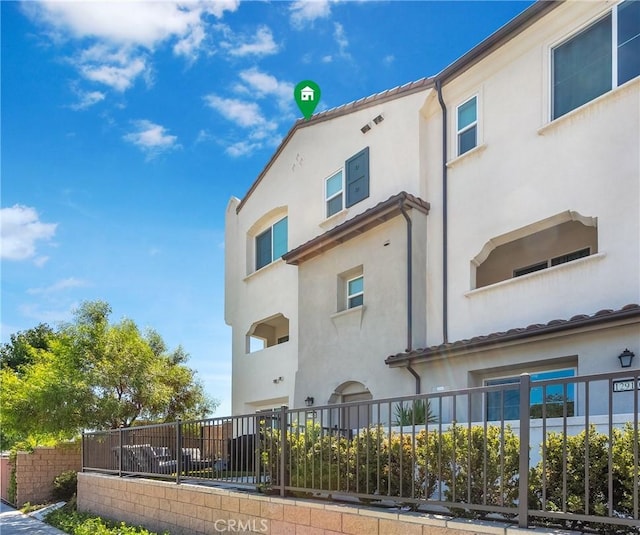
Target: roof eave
(353, 227)
(626, 313)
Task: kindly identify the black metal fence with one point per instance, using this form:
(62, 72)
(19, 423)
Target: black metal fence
(561, 451)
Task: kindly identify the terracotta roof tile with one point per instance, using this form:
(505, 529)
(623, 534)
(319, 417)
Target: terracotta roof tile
(536, 329)
(355, 226)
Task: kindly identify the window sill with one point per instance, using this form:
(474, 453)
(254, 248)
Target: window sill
(334, 219)
(475, 150)
(355, 312)
(554, 269)
(264, 269)
(581, 110)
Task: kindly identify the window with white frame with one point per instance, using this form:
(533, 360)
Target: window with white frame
(553, 400)
(272, 243)
(601, 57)
(467, 125)
(334, 194)
(355, 292)
(348, 186)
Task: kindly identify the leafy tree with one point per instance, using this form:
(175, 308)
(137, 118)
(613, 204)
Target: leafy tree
(18, 351)
(96, 375)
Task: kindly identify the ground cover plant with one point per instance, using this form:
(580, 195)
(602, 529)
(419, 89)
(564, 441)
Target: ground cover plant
(69, 520)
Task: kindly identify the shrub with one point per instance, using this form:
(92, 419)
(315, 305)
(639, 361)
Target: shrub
(65, 485)
(567, 471)
(467, 465)
(68, 519)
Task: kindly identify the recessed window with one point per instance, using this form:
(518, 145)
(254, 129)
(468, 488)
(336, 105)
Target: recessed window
(551, 400)
(599, 58)
(562, 259)
(271, 244)
(355, 292)
(334, 193)
(558, 244)
(530, 269)
(268, 332)
(467, 125)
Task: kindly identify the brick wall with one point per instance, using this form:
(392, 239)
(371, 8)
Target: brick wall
(35, 471)
(198, 510)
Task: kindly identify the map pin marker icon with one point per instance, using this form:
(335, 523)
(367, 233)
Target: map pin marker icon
(307, 96)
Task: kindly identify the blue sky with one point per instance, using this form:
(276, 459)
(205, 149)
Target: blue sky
(127, 126)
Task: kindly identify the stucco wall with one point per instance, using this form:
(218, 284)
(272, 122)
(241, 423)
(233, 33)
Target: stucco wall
(36, 471)
(295, 186)
(337, 346)
(528, 168)
(196, 510)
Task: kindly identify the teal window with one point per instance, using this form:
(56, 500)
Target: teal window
(467, 125)
(272, 243)
(334, 193)
(355, 292)
(549, 399)
(599, 58)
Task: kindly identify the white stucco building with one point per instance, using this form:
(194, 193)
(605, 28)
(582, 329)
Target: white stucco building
(453, 232)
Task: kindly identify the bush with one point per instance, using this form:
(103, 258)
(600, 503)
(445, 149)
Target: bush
(467, 465)
(69, 520)
(569, 469)
(65, 485)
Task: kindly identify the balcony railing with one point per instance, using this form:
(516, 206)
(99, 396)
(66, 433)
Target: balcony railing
(571, 461)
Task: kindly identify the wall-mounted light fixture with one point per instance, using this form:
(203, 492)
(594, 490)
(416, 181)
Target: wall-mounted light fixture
(378, 119)
(365, 128)
(626, 357)
(278, 380)
(309, 401)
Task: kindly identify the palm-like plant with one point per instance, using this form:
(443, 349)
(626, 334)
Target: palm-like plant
(416, 412)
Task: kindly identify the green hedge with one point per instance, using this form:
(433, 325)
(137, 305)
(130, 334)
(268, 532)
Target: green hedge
(461, 465)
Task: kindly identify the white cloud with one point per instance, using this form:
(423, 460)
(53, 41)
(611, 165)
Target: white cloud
(58, 286)
(267, 85)
(304, 12)
(86, 99)
(121, 33)
(123, 22)
(20, 229)
(151, 138)
(117, 68)
(388, 59)
(341, 39)
(243, 113)
(189, 45)
(248, 116)
(262, 44)
(242, 148)
(327, 59)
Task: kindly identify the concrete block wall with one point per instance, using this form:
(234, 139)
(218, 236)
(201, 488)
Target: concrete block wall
(198, 510)
(35, 471)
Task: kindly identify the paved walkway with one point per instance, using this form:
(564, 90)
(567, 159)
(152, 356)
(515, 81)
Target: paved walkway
(13, 522)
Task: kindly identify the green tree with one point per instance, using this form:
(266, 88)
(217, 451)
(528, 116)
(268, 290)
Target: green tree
(97, 375)
(18, 351)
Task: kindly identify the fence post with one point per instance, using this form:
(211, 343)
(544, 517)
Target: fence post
(178, 449)
(82, 452)
(283, 448)
(525, 420)
(120, 431)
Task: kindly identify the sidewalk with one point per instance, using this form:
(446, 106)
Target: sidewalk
(13, 522)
